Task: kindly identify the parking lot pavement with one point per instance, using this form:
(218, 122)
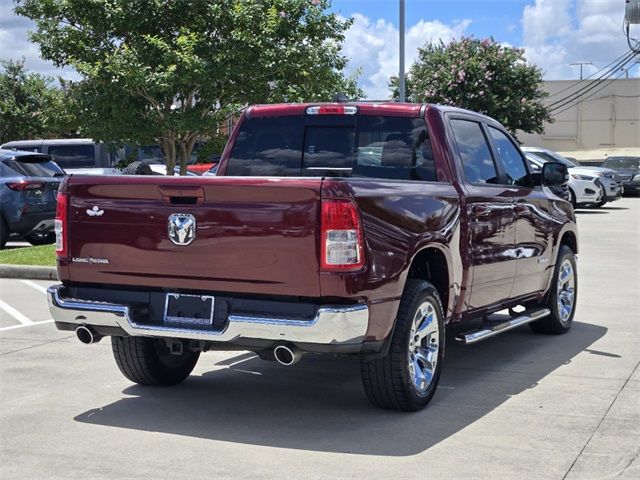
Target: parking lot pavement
(519, 405)
(17, 242)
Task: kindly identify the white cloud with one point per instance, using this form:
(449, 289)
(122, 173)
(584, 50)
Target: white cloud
(15, 44)
(560, 32)
(373, 47)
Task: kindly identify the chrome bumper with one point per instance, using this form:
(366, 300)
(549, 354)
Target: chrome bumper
(332, 325)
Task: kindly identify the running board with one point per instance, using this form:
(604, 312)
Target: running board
(491, 330)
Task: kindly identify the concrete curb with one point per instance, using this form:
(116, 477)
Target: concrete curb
(31, 272)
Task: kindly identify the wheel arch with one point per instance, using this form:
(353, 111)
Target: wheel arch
(431, 263)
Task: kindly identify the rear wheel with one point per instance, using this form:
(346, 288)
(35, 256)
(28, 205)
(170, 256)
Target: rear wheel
(41, 238)
(407, 377)
(562, 297)
(137, 168)
(4, 233)
(148, 361)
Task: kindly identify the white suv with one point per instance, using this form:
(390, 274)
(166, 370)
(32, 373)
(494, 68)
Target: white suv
(582, 179)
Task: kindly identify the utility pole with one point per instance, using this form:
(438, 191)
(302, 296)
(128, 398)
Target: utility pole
(401, 85)
(581, 65)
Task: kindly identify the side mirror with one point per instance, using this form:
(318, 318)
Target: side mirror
(554, 174)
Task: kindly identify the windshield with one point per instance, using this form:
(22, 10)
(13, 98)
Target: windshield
(554, 157)
(622, 162)
(37, 166)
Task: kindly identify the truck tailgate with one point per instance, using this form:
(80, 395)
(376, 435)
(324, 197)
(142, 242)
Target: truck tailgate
(253, 235)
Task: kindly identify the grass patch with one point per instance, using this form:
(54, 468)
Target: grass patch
(44, 255)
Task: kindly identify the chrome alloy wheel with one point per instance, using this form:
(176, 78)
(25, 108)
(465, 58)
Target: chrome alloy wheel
(566, 290)
(424, 344)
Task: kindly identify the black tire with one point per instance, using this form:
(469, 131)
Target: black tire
(137, 168)
(4, 233)
(147, 361)
(387, 381)
(558, 323)
(36, 239)
(573, 199)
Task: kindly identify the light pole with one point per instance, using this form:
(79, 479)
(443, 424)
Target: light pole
(401, 86)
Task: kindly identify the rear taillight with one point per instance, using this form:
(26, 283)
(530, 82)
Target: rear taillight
(61, 224)
(341, 236)
(26, 185)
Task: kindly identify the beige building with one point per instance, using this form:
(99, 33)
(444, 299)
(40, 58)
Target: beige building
(605, 122)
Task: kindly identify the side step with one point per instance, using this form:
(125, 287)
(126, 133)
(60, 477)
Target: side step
(489, 330)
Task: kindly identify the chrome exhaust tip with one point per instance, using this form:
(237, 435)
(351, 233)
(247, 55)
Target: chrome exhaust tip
(286, 355)
(86, 335)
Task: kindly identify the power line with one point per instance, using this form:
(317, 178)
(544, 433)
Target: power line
(593, 84)
(591, 76)
(602, 87)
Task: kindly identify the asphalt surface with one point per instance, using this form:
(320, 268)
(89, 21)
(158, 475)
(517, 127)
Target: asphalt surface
(519, 405)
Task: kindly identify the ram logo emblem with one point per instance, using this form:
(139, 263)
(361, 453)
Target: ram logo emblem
(182, 228)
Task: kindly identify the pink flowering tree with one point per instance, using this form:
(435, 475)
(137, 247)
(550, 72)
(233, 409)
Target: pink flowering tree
(480, 75)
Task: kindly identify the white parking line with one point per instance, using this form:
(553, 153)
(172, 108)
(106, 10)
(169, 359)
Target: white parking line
(15, 314)
(12, 327)
(40, 288)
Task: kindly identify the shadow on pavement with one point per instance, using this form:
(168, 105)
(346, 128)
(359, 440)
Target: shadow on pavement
(319, 404)
(591, 212)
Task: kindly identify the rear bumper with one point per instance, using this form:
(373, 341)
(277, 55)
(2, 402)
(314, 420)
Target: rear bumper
(332, 325)
(631, 187)
(33, 223)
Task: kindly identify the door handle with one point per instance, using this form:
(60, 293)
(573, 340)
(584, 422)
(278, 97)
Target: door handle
(481, 210)
(521, 208)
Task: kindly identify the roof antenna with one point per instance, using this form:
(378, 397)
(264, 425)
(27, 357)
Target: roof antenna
(340, 98)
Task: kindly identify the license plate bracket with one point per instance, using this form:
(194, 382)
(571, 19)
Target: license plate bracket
(190, 310)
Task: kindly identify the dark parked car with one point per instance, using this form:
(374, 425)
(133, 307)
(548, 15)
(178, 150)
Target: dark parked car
(628, 169)
(28, 186)
(361, 229)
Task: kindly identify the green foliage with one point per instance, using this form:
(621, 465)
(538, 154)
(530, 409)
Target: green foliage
(483, 76)
(30, 106)
(171, 72)
(42, 255)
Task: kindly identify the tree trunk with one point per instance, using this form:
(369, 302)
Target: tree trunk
(168, 146)
(186, 145)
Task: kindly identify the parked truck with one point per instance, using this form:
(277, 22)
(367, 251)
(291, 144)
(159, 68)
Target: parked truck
(364, 229)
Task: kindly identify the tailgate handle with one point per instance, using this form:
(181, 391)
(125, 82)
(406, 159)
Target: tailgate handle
(182, 195)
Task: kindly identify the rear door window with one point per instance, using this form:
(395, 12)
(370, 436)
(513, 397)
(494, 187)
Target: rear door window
(474, 152)
(73, 156)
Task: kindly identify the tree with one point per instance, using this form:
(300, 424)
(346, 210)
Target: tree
(483, 76)
(30, 106)
(171, 72)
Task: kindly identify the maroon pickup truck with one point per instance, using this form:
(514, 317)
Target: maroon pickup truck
(352, 228)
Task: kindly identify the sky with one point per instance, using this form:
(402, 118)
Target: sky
(554, 34)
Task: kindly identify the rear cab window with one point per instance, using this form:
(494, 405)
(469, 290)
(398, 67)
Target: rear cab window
(390, 147)
(73, 156)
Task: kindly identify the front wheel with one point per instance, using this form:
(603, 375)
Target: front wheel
(562, 297)
(148, 361)
(407, 377)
